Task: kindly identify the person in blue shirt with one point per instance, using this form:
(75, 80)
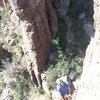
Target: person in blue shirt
(63, 88)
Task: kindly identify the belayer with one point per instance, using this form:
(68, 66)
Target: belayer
(63, 89)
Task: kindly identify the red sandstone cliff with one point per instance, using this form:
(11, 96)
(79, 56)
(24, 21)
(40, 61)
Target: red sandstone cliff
(39, 24)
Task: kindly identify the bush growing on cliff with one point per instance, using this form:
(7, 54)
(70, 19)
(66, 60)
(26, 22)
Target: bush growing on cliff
(62, 64)
(66, 58)
(4, 14)
(22, 86)
(63, 67)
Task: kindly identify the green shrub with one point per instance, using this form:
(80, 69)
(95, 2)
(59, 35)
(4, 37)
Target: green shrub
(63, 63)
(66, 55)
(22, 88)
(62, 67)
(39, 90)
(5, 15)
(76, 65)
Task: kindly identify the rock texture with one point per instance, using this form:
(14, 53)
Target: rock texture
(1, 53)
(3, 4)
(6, 95)
(90, 82)
(39, 24)
(89, 29)
(62, 7)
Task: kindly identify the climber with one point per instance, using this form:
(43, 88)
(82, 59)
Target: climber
(64, 89)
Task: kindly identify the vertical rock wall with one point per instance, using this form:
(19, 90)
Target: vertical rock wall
(1, 53)
(62, 7)
(90, 82)
(39, 24)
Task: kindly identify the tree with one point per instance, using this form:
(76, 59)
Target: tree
(89, 88)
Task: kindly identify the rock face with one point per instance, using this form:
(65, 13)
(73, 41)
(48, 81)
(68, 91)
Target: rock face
(39, 24)
(90, 82)
(62, 7)
(89, 29)
(3, 4)
(6, 95)
(1, 53)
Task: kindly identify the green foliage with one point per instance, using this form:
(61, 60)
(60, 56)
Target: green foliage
(66, 54)
(21, 89)
(76, 65)
(62, 64)
(8, 37)
(39, 90)
(5, 15)
(61, 68)
(55, 44)
(55, 67)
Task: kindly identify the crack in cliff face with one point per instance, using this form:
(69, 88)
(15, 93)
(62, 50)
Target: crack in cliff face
(38, 22)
